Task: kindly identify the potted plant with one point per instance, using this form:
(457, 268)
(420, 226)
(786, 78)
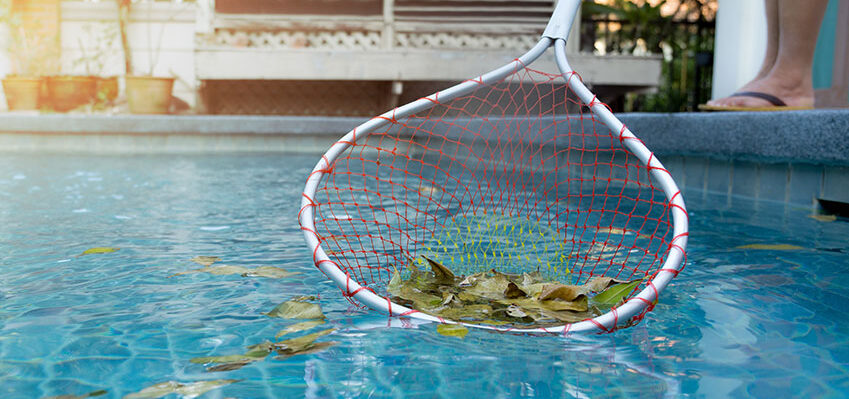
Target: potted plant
(30, 55)
(146, 94)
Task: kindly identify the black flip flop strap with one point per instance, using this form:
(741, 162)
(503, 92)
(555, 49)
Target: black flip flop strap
(763, 96)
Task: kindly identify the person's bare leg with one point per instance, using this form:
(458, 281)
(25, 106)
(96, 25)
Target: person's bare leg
(789, 77)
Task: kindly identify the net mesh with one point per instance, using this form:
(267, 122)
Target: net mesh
(516, 176)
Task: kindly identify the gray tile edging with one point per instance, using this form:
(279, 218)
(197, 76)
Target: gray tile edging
(819, 136)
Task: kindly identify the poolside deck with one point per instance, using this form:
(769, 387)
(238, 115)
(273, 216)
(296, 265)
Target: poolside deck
(795, 157)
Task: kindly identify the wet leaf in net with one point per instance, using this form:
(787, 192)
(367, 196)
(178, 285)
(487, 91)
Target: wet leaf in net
(597, 284)
(268, 272)
(616, 293)
(439, 270)
(516, 311)
(563, 292)
(449, 298)
(467, 312)
(205, 260)
(100, 392)
(99, 250)
(452, 330)
(394, 286)
(187, 390)
(300, 344)
(302, 326)
(471, 280)
(489, 285)
(296, 309)
(513, 291)
(314, 348)
(772, 247)
(531, 278)
(420, 299)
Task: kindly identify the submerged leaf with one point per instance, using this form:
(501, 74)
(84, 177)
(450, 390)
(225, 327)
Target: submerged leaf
(452, 330)
(774, 247)
(188, 390)
(302, 326)
(88, 395)
(616, 293)
(99, 250)
(205, 260)
(295, 309)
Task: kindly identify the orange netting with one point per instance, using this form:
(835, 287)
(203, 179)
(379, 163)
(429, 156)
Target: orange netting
(516, 176)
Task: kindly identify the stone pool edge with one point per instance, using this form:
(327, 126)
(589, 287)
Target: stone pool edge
(792, 156)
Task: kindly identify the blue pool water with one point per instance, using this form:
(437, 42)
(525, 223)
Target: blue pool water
(739, 323)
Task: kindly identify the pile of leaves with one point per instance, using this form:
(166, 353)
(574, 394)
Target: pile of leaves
(525, 300)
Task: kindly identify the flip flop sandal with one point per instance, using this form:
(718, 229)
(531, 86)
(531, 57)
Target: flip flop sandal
(777, 104)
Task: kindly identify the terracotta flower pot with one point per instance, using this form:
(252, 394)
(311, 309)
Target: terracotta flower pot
(107, 89)
(69, 92)
(149, 95)
(22, 93)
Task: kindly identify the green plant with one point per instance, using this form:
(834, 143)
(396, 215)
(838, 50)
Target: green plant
(680, 30)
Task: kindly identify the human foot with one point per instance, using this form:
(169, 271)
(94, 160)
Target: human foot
(792, 95)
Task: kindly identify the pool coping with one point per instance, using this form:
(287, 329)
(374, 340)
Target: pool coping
(795, 157)
(818, 136)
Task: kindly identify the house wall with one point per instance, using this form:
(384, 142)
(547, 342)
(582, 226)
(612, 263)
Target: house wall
(161, 37)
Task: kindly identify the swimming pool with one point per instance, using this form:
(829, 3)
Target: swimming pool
(736, 322)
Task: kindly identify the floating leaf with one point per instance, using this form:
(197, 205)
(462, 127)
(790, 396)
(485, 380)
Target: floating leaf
(225, 359)
(268, 272)
(233, 362)
(227, 366)
(773, 247)
(99, 250)
(823, 218)
(205, 260)
(302, 326)
(616, 293)
(297, 309)
(452, 330)
(226, 270)
(299, 344)
(188, 390)
(88, 395)
(314, 348)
